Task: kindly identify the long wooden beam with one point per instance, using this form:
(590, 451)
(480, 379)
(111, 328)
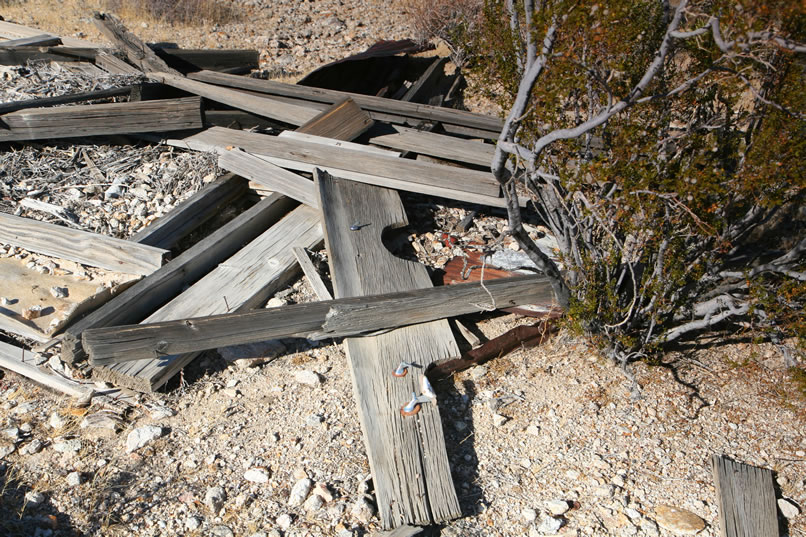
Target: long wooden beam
(80, 246)
(314, 320)
(12, 358)
(40, 40)
(424, 177)
(102, 119)
(13, 106)
(421, 112)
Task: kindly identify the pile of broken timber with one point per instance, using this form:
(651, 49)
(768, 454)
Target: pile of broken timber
(331, 176)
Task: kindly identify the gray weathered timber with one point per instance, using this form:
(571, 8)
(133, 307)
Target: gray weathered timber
(437, 145)
(137, 52)
(352, 146)
(491, 125)
(272, 177)
(407, 455)
(342, 121)
(155, 290)
(80, 246)
(168, 230)
(112, 64)
(746, 498)
(13, 106)
(256, 104)
(10, 30)
(40, 40)
(242, 282)
(306, 156)
(353, 316)
(314, 278)
(102, 119)
(14, 323)
(13, 359)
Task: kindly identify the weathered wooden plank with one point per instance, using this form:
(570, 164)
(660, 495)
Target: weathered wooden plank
(314, 139)
(168, 230)
(102, 119)
(262, 106)
(407, 455)
(80, 246)
(112, 64)
(243, 282)
(314, 278)
(391, 172)
(272, 177)
(343, 121)
(14, 323)
(238, 119)
(13, 359)
(156, 289)
(746, 498)
(369, 103)
(62, 55)
(10, 30)
(437, 145)
(13, 106)
(40, 40)
(352, 316)
(138, 53)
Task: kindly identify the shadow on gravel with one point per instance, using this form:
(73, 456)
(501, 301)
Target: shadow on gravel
(19, 517)
(457, 424)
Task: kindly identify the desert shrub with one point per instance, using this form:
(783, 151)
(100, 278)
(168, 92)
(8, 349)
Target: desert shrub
(452, 21)
(663, 146)
(184, 12)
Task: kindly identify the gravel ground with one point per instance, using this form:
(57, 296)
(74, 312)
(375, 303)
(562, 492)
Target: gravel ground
(544, 441)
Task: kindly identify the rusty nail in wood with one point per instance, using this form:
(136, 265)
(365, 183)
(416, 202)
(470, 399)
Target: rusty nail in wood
(402, 370)
(412, 407)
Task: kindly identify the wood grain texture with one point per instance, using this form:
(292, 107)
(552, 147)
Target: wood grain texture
(366, 102)
(407, 455)
(746, 498)
(314, 139)
(156, 289)
(437, 145)
(80, 246)
(242, 282)
(112, 64)
(256, 104)
(326, 319)
(422, 89)
(169, 229)
(272, 177)
(137, 52)
(306, 156)
(102, 119)
(342, 121)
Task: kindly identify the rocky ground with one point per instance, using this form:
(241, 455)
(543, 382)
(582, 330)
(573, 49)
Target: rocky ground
(545, 441)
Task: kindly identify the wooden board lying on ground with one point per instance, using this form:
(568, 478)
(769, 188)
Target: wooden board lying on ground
(191, 213)
(9, 30)
(492, 125)
(81, 246)
(40, 40)
(343, 121)
(272, 177)
(746, 498)
(137, 52)
(187, 60)
(243, 281)
(313, 276)
(156, 289)
(342, 317)
(102, 119)
(5, 108)
(410, 470)
(13, 359)
(437, 145)
(256, 104)
(426, 178)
